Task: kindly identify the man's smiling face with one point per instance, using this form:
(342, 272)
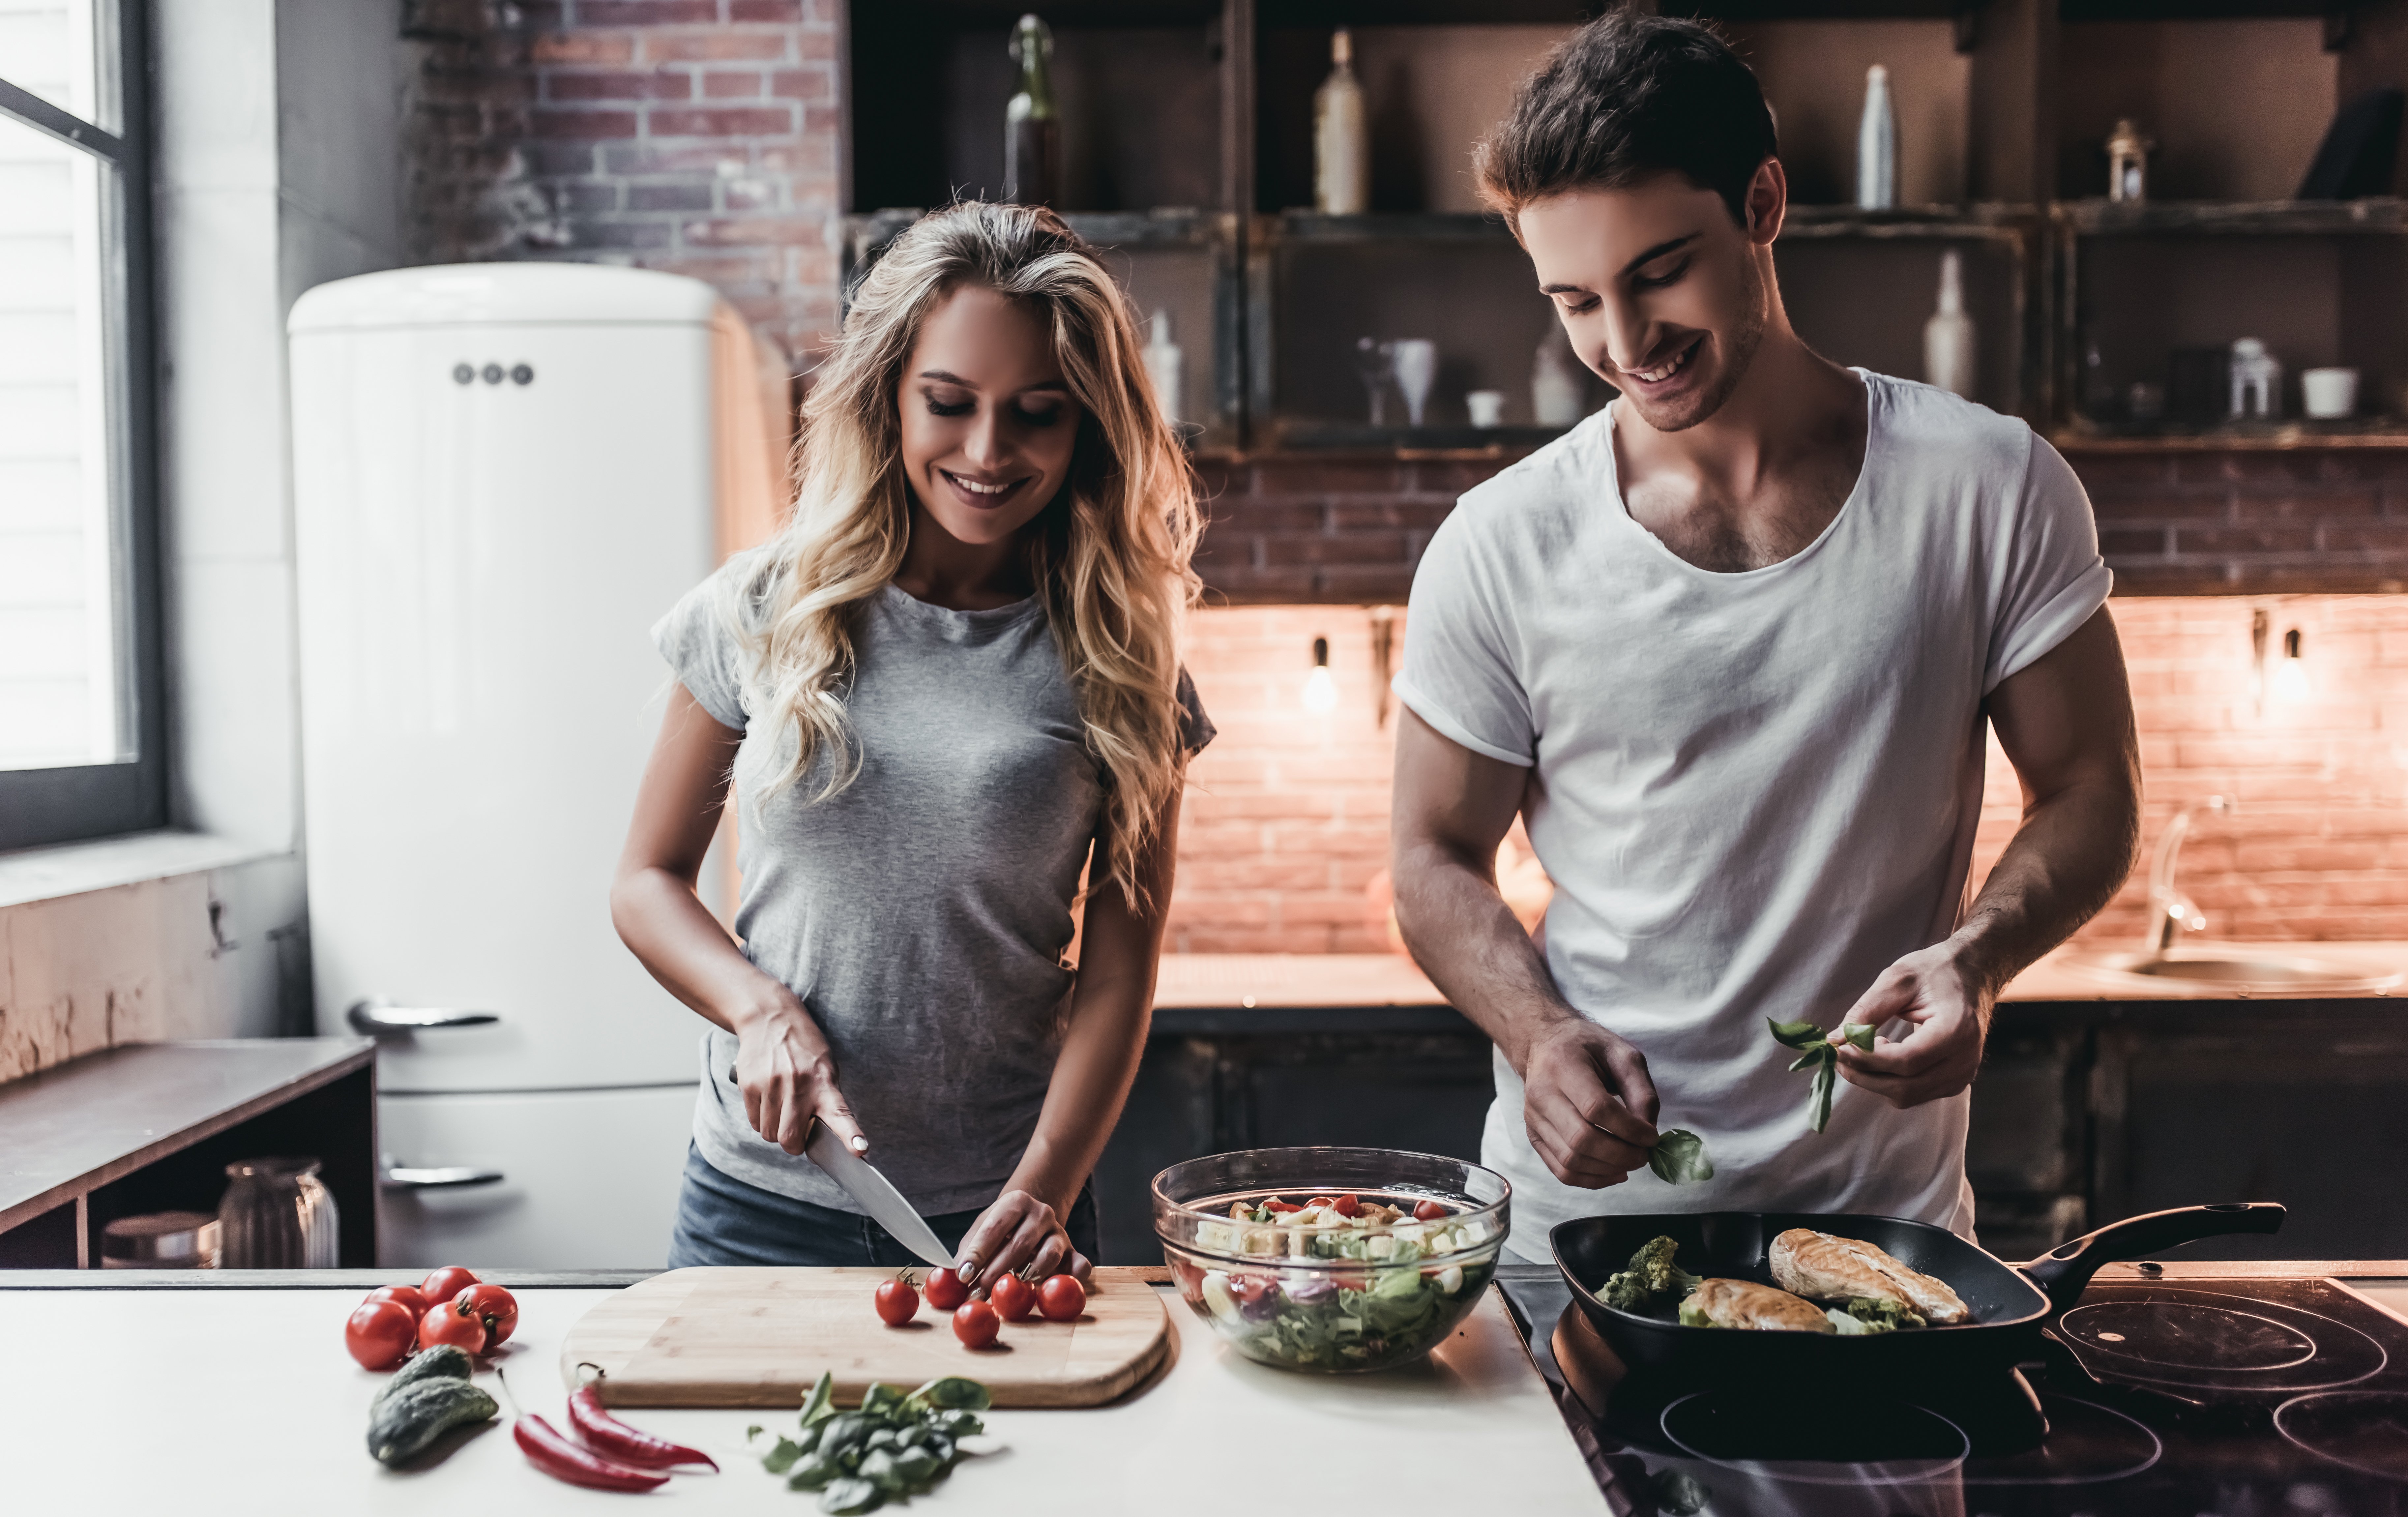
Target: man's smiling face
(1662, 293)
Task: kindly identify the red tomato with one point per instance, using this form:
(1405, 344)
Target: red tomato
(1431, 1212)
(380, 1334)
(1191, 1281)
(1062, 1299)
(974, 1323)
(946, 1290)
(1281, 1206)
(404, 1296)
(897, 1301)
(451, 1324)
(445, 1283)
(497, 1307)
(1349, 1206)
(1013, 1298)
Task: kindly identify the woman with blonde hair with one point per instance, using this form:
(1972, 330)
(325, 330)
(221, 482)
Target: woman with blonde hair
(948, 689)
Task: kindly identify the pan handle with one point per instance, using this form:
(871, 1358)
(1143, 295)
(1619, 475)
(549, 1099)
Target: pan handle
(2065, 1269)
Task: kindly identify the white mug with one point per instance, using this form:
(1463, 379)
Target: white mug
(1487, 408)
(2329, 395)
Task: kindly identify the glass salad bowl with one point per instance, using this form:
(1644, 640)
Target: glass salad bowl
(1331, 1260)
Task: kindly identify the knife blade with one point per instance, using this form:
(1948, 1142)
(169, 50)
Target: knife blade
(875, 1192)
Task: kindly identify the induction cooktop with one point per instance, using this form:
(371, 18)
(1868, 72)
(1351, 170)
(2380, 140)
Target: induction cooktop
(2184, 1397)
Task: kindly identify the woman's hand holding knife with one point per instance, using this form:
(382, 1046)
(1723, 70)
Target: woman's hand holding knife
(788, 1075)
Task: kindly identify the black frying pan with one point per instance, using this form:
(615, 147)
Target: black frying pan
(2008, 1302)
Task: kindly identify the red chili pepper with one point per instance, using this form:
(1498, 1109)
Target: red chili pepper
(563, 1460)
(608, 1436)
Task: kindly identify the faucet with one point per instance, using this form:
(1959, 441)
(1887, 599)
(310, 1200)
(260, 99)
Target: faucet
(2171, 913)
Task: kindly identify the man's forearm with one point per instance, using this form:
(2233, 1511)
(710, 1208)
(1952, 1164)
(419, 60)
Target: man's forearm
(2068, 859)
(1467, 939)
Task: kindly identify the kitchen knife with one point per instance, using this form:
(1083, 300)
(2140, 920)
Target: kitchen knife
(875, 1192)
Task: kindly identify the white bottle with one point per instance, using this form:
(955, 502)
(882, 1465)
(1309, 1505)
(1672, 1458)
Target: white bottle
(1948, 336)
(1555, 388)
(1164, 364)
(1877, 146)
(1341, 154)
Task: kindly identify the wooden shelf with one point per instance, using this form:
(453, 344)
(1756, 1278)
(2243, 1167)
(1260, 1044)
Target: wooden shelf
(2231, 218)
(2097, 438)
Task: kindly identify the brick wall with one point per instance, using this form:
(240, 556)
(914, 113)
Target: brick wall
(1286, 823)
(697, 136)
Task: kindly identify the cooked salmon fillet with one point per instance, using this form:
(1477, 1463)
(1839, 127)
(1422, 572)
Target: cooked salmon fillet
(1825, 1269)
(1743, 1303)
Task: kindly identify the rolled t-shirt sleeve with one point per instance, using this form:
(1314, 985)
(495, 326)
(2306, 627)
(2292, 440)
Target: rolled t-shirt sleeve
(1459, 673)
(702, 646)
(2049, 578)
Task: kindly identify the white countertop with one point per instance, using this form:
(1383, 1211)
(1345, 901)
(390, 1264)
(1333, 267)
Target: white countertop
(207, 1401)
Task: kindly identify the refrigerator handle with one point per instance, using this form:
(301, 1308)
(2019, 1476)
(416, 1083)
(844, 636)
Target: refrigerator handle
(448, 1177)
(381, 1019)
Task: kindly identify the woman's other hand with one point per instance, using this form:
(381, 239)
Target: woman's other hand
(788, 1076)
(1018, 1230)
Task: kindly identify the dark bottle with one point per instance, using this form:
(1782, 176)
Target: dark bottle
(1032, 134)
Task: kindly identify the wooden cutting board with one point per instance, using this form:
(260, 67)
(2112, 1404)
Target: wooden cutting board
(722, 1336)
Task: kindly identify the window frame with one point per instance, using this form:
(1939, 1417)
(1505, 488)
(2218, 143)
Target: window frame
(83, 801)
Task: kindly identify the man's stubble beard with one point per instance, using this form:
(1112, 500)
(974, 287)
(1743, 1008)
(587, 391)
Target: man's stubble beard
(1736, 355)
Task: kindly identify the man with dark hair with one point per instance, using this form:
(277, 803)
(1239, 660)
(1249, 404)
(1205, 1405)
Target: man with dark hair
(1729, 647)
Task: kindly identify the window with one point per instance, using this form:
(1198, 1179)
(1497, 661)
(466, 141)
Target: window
(81, 727)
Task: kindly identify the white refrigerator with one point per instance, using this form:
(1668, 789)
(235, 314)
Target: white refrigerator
(503, 474)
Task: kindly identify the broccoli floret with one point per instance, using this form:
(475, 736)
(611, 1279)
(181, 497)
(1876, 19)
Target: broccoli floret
(1883, 1316)
(1651, 1273)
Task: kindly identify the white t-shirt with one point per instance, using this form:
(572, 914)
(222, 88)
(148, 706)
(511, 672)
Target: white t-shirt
(1752, 791)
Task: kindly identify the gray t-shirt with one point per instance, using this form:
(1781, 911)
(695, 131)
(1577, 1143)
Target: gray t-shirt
(921, 913)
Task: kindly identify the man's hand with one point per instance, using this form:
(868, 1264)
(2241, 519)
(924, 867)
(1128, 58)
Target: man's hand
(1588, 1103)
(1949, 1010)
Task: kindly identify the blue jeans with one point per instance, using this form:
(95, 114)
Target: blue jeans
(723, 1220)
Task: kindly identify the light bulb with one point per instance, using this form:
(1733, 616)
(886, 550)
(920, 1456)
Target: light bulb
(1319, 689)
(2290, 681)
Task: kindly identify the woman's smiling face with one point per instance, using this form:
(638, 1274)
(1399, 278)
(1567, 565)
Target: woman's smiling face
(988, 422)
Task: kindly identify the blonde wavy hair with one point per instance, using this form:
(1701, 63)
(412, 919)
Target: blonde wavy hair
(1108, 554)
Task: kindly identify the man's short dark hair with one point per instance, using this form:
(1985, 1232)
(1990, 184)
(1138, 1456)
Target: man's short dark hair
(1624, 99)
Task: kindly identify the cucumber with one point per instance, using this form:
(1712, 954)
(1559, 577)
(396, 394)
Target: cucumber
(404, 1423)
(445, 1361)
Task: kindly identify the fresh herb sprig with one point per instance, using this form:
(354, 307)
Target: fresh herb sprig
(1820, 1054)
(892, 1445)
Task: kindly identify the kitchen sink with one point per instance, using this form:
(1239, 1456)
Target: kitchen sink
(2237, 968)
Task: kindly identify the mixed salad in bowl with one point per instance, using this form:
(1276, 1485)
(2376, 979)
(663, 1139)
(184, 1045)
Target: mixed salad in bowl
(1368, 1263)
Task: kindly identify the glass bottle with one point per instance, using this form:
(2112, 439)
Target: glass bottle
(1555, 391)
(1032, 132)
(1877, 146)
(1164, 364)
(1341, 154)
(1948, 336)
(2127, 163)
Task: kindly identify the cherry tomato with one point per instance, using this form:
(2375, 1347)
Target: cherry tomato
(497, 1307)
(380, 1334)
(946, 1290)
(974, 1323)
(452, 1322)
(445, 1283)
(898, 1302)
(1281, 1206)
(1429, 1212)
(1348, 1206)
(1013, 1298)
(1062, 1299)
(404, 1296)
(1191, 1281)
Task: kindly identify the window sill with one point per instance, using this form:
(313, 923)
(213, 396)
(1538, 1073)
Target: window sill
(42, 874)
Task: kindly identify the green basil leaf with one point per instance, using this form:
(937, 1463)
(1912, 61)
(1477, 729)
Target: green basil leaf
(782, 1458)
(1679, 1158)
(849, 1495)
(1826, 1079)
(813, 1472)
(1795, 1034)
(950, 1393)
(1811, 1057)
(820, 1404)
(1861, 1035)
(878, 1468)
(882, 1401)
